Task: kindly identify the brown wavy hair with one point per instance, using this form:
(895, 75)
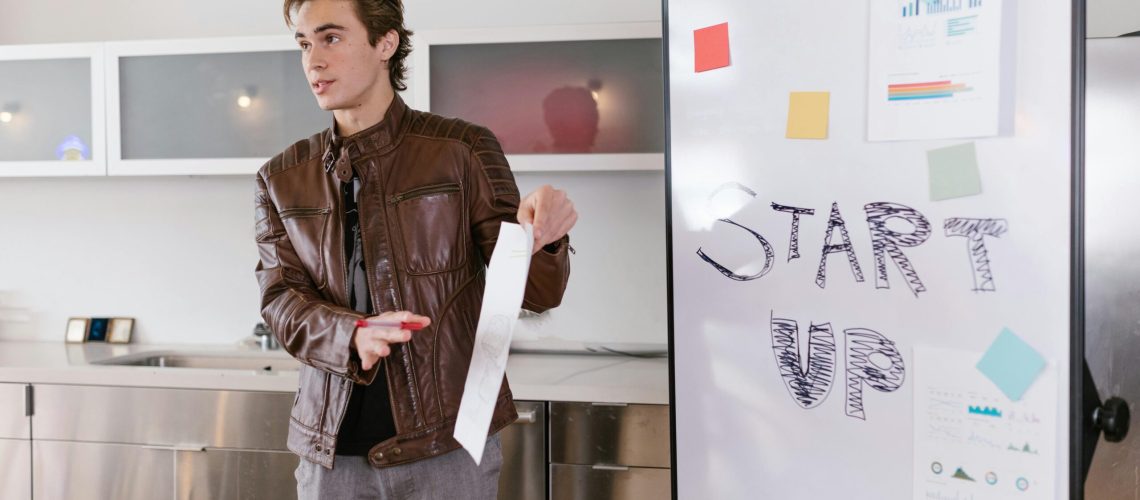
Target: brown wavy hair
(379, 17)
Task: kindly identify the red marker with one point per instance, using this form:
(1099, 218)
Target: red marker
(403, 325)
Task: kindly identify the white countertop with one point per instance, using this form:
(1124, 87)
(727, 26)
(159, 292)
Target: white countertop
(537, 377)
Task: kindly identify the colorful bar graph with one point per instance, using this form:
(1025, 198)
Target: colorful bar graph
(925, 90)
(961, 25)
(911, 8)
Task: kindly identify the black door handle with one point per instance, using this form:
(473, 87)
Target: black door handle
(1112, 418)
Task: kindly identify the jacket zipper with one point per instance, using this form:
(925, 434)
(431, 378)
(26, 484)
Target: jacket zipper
(424, 191)
(339, 202)
(393, 200)
(382, 362)
(290, 213)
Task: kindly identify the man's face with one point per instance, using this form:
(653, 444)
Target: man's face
(340, 65)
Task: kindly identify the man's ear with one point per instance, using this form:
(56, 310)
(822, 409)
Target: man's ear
(388, 44)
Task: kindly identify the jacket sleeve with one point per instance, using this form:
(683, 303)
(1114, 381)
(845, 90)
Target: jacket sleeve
(494, 198)
(315, 331)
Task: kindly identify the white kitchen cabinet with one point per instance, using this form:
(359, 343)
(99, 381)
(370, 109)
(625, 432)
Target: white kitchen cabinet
(52, 110)
(206, 106)
(558, 98)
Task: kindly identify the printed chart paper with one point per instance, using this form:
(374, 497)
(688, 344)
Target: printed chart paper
(502, 299)
(934, 69)
(971, 442)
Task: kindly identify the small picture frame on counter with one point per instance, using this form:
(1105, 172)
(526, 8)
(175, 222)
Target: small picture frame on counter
(97, 332)
(120, 329)
(76, 330)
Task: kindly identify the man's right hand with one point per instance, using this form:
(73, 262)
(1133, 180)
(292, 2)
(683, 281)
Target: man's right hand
(373, 343)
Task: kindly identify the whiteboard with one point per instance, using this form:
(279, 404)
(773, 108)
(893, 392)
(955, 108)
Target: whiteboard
(740, 431)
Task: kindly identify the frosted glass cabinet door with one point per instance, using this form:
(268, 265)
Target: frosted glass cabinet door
(562, 97)
(51, 110)
(209, 112)
(559, 98)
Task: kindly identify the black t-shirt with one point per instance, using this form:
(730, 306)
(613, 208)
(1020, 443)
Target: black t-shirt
(368, 418)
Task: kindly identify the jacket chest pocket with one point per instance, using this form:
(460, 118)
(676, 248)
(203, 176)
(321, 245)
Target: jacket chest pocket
(433, 228)
(308, 230)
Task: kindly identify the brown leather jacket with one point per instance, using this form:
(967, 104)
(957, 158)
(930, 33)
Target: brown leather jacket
(433, 193)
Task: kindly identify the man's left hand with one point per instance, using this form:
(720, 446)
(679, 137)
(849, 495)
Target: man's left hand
(551, 214)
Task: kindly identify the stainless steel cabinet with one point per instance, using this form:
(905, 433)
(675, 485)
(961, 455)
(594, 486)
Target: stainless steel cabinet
(524, 454)
(15, 469)
(15, 447)
(1112, 273)
(163, 417)
(14, 422)
(598, 482)
(98, 471)
(143, 443)
(601, 451)
(148, 443)
(237, 474)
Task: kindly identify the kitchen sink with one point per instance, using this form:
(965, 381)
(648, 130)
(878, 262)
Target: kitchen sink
(269, 362)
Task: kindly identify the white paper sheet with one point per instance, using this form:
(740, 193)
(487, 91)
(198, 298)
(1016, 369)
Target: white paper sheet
(971, 442)
(934, 69)
(502, 299)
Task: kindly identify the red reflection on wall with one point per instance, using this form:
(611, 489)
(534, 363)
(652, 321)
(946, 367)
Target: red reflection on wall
(571, 116)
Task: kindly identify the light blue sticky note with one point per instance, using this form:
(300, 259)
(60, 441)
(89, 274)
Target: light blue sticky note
(954, 172)
(1011, 364)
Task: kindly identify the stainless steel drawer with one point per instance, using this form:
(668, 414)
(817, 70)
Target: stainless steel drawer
(586, 482)
(589, 433)
(15, 469)
(245, 475)
(523, 475)
(170, 417)
(99, 471)
(13, 418)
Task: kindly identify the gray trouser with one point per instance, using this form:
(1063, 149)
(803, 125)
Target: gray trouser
(448, 476)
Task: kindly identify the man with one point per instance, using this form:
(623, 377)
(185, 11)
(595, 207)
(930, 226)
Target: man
(391, 215)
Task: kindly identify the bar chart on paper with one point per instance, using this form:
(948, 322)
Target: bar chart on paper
(912, 8)
(925, 90)
(935, 71)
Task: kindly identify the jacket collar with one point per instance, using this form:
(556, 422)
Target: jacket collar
(379, 138)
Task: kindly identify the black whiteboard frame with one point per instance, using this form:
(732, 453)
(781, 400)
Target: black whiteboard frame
(1077, 418)
(669, 250)
(1077, 389)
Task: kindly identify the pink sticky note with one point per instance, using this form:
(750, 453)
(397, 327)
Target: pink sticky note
(711, 46)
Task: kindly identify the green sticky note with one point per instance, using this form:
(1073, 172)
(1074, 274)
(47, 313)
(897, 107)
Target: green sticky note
(954, 172)
(808, 115)
(1011, 364)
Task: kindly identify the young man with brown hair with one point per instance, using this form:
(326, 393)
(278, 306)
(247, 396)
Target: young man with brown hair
(390, 214)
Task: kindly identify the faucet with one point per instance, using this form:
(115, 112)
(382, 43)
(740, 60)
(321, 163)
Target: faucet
(265, 337)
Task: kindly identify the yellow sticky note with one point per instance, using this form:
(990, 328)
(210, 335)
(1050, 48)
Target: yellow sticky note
(807, 115)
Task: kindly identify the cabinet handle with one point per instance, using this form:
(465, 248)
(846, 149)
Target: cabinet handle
(618, 468)
(177, 447)
(527, 417)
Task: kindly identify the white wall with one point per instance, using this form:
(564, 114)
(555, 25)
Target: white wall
(1109, 18)
(177, 253)
(49, 21)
